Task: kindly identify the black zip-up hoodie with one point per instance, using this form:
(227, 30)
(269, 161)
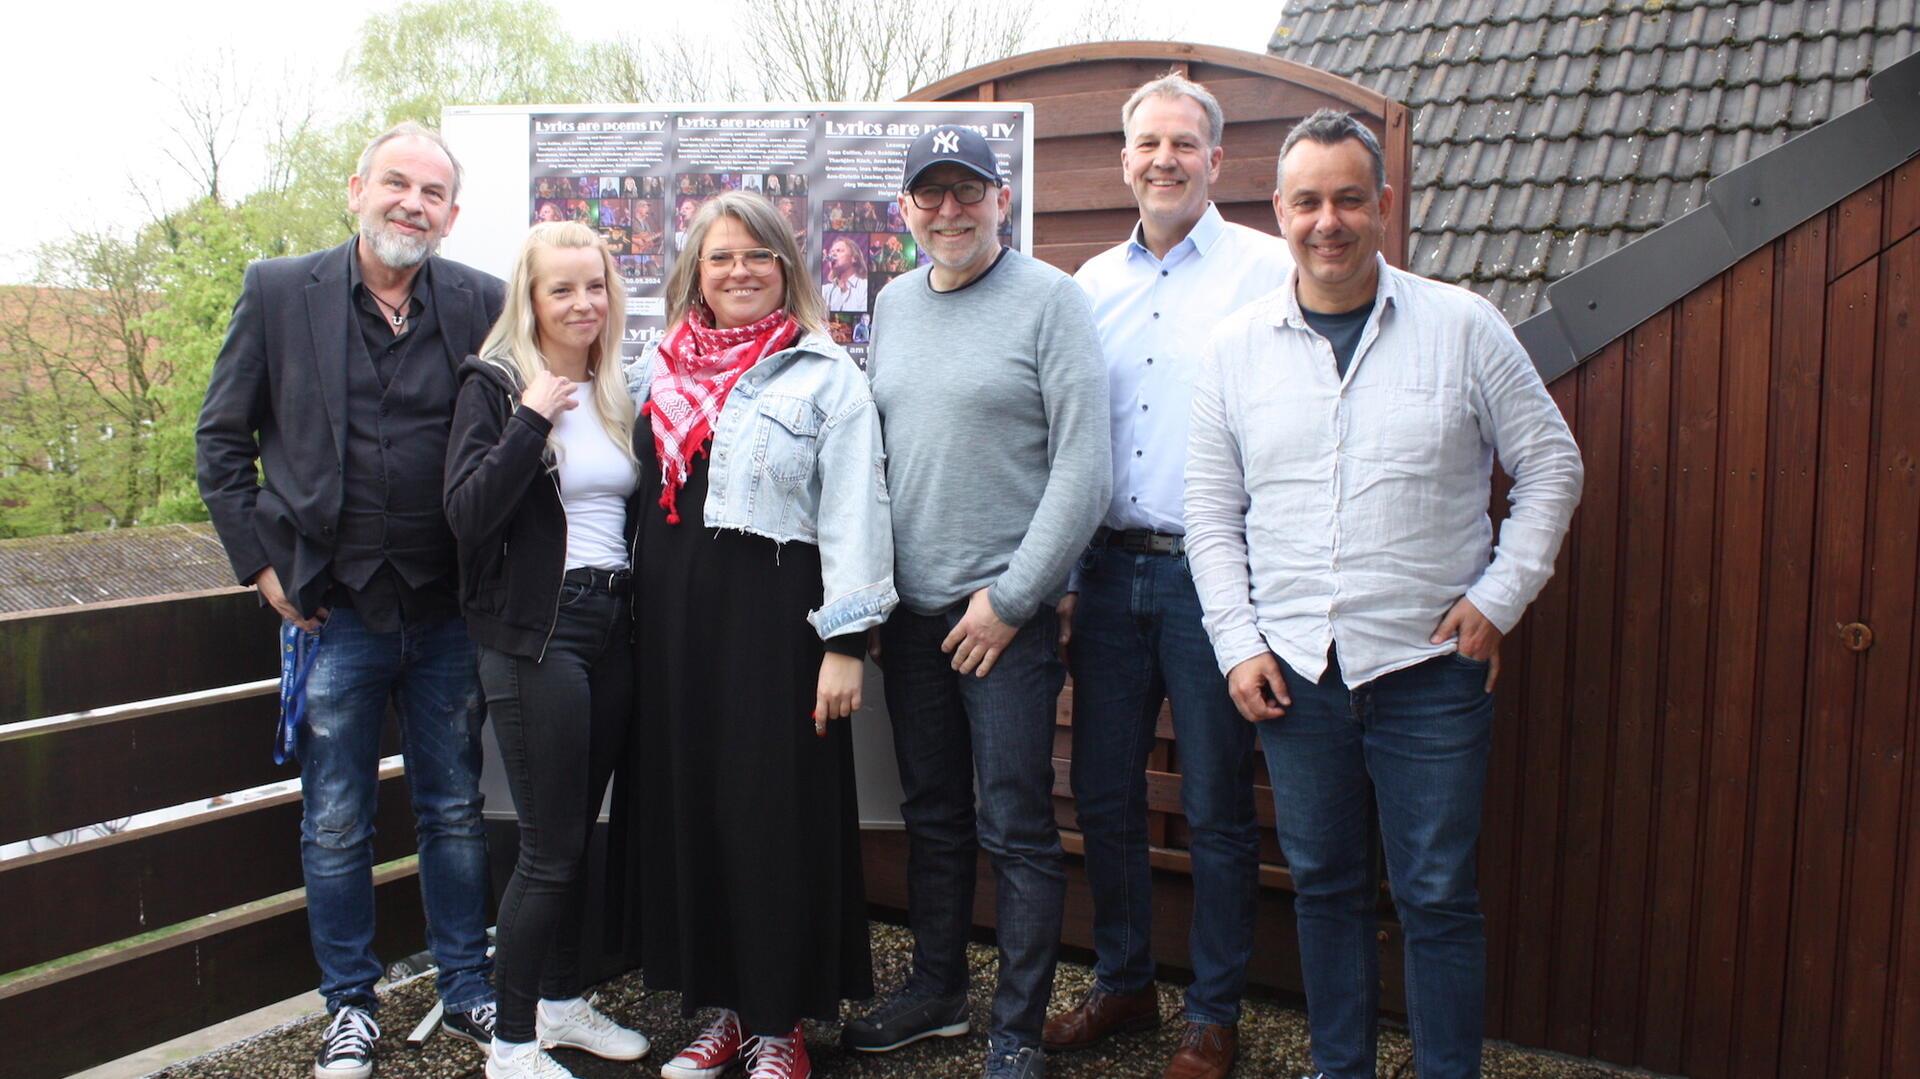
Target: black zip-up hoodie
(503, 504)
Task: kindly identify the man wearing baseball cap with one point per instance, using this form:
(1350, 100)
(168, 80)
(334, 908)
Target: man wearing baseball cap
(992, 393)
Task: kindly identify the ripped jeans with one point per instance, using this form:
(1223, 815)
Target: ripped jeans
(427, 671)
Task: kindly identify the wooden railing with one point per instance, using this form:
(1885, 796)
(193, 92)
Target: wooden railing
(115, 943)
(119, 942)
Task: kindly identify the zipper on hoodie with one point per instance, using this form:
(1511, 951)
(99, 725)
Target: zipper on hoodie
(562, 582)
(633, 577)
(554, 624)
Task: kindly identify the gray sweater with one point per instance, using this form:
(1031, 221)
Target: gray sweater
(993, 400)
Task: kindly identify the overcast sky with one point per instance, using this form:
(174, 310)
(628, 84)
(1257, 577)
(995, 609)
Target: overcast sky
(87, 89)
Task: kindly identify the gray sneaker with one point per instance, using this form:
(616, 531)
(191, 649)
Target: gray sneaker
(906, 1018)
(1025, 1063)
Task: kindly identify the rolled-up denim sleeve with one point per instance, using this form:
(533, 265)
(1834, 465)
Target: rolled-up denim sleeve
(855, 525)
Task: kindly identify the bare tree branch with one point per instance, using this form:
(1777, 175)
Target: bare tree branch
(211, 99)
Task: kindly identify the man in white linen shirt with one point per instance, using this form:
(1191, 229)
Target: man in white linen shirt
(1339, 469)
(1131, 613)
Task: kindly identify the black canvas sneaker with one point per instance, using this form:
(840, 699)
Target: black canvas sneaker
(346, 1049)
(474, 1024)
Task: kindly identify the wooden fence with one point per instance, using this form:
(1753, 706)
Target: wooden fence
(122, 941)
(1702, 845)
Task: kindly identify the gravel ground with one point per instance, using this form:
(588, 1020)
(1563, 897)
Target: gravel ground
(1273, 1039)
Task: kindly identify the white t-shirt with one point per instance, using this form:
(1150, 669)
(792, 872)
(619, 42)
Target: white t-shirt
(595, 481)
(850, 297)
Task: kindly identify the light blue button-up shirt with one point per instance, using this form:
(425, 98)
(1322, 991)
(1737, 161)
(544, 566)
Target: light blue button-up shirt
(1153, 316)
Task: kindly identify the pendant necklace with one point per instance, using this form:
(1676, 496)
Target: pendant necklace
(394, 314)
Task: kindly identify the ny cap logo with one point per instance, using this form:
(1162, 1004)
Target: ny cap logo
(946, 142)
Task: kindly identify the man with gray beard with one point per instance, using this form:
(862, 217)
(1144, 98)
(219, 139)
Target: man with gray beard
(337, 376)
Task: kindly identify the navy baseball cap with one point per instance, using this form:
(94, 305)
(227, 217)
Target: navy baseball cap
(951, 145)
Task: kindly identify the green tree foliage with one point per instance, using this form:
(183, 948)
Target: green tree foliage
(80, 384)
(104, 362)
(205, 251)
(199, 279)
(423, 56)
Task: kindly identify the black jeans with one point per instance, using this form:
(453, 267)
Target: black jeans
(949, 728)
(562, 723)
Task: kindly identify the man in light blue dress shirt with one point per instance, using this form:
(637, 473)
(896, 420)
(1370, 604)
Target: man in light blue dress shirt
(1340, 467)
(1131, 625)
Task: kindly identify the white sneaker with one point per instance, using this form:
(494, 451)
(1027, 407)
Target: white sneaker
(531, 1062)
(713, 1052)
(577, 1024)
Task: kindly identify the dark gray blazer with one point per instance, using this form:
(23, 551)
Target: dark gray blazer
(279, 394)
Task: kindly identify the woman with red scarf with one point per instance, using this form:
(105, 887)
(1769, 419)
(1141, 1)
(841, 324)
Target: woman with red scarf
(765, 555)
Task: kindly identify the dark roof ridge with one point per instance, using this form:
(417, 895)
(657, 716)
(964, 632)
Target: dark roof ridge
(1772, 37)
(1716, 127)
(1518, 183)
(1745, 208)
(1591, 9)
(1718, 82)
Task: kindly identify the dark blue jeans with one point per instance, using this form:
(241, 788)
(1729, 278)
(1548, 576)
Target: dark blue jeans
(948, 728)
(427, 671)
(562, 722)
(1412, 743)
(1137, 639)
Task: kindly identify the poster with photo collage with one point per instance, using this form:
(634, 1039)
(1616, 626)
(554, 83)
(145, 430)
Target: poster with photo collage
(832, 171)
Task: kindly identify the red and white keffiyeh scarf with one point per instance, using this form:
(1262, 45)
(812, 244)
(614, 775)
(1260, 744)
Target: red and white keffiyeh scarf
(698, 367)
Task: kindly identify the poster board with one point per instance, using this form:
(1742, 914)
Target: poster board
(837, 166)
(636, 173)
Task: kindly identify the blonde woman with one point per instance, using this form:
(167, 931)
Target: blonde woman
(766, 555)
(540, 474)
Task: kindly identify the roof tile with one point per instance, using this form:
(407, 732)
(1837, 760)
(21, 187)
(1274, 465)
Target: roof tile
(1549, 132)
(124, 563)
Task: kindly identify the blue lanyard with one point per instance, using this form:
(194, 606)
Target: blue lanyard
(298, 650)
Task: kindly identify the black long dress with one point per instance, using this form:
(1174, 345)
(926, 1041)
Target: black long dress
(746, 823)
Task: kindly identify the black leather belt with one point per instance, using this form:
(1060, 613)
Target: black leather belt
(1139, 541)
(616, 581)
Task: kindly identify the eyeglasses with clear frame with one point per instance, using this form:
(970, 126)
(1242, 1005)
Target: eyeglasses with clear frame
(966, 193)
(759, 261)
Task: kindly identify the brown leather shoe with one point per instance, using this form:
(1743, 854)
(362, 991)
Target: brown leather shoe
(1206, 1052)
(1099, 1015)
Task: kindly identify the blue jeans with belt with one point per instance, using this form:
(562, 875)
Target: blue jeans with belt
(948, 728)
(1413, 744)
(1137, 639)
(427, 670)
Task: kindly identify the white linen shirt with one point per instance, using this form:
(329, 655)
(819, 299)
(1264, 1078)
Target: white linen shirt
(1153, 316)
(1353, 511)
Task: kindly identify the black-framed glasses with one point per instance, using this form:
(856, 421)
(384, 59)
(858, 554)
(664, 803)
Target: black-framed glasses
(759, 261)
(966, 193)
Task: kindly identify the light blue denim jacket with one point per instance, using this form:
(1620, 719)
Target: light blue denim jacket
(797, 456)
